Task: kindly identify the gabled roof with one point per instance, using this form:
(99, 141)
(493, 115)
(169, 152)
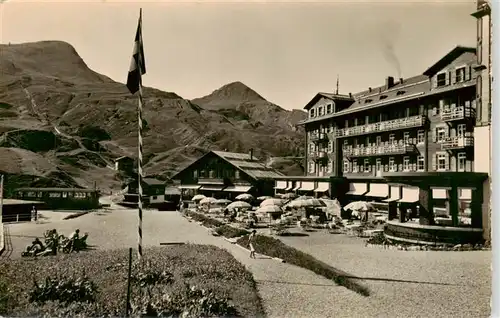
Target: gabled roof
(331, 96)
(448, 58)
(122, 158)
(253, 167)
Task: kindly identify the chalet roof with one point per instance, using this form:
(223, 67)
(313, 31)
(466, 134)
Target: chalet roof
(333, 97)
(252, 166)
(445, 60)
(122, 158)
(153, 181)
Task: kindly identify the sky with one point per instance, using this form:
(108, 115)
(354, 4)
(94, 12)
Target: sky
(285, 51)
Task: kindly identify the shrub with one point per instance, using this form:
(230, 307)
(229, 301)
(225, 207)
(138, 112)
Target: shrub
(275, 248)
(205, 220)
(5, 297)
(147, 275)
(230, 232)
(64, 289)
(190, 302)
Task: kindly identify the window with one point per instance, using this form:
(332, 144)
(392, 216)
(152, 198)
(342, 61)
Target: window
(461, 160)
(378, 140)
(237, 174)
(354, 166)
(391, 164)
(406, 163)
(406, 138)
(366, 165)
(195, 174)
(368, 100)
(400, 93)
(441, 79)
(440, 134)
(154, 197)
(328, 108)
(378, 165)
(346, 166)
(420, 163)
(383, 96)
(321, 109)
(460, 74)
(331, 127)
(461, 130)
(330, 166)
(211, 174)
(330, 146)
(441, 161)
(311, 167)
(311, 147)
(311, 113)
(65, 194)
(346, 143)
(391, 138)
(54, 194)
(368, 139)
(420, 137)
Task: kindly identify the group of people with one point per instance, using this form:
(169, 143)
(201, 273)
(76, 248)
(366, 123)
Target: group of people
(55, 242)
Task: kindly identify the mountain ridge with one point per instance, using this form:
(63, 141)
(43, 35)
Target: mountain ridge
(48, 91)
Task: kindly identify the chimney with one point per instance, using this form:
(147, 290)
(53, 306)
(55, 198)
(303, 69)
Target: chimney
(251, 153)
(401, 80)
(350, 95)
(389, 82)
(369, 89)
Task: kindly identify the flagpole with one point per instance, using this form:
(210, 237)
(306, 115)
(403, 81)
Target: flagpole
(139, 147)
(1, 200)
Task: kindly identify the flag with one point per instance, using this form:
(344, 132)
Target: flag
(137, 64)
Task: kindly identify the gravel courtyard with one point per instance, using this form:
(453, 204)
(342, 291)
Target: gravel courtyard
(408, 283)
(290, 291)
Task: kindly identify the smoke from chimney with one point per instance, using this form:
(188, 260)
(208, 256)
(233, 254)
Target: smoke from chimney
(389, 33)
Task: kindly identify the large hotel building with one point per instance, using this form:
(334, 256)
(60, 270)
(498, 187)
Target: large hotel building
(417, 144)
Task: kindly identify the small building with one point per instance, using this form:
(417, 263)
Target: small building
(61, 198)
(124, 164)
(226, 175)
(153, 192)
(19, 210)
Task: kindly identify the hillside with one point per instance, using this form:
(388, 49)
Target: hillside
(71, 121)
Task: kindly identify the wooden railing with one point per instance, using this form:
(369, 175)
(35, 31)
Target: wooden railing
(457, 113)
(379, 150)
(401, 123)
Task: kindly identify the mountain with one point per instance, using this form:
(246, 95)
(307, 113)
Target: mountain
(73, 121)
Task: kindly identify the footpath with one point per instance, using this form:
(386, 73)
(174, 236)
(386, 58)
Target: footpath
(290, 291)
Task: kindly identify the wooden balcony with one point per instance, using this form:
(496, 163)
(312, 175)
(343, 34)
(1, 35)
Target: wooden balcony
(218, 181)
(460, 142)
(377, 151)
(319, 137)
(396, 124)
(458, 113)
(319, 155)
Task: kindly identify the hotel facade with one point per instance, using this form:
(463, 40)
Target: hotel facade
(420, 144)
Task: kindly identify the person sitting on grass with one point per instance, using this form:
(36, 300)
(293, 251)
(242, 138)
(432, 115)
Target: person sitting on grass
(251, 240)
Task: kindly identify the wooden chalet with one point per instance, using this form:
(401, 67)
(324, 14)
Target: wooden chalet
(61, 198)
(223, 174)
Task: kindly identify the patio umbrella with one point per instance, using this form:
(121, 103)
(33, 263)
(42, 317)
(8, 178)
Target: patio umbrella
(263, 198)
(208, 200)
(239, 205)
(271, 201)
(360, 206)
(307, 203)
(198, 197)
(222, 201)
(332, 207)
(270, 209)
(289, 196)
(244, 197)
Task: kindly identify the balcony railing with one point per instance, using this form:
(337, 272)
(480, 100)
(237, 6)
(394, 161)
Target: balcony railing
(202, 180)
(374, 151)
(457, 113)
(318, 137)
(401, 123)
(457, 142)
(319, 155)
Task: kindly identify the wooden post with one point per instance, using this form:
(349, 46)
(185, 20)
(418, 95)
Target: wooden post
(129, 279)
